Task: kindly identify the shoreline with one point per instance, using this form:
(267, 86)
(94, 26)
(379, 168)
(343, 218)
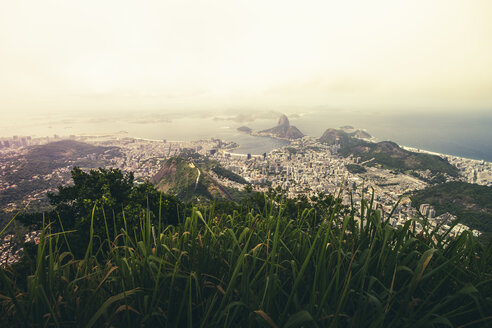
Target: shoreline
(419, 150)
(115, 136)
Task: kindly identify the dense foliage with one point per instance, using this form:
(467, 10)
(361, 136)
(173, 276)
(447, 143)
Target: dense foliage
(267, 262)
(354, 168)
(227, 174)
(114, 194)
(471, 203)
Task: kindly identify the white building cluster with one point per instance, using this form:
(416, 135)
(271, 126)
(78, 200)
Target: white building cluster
(306, 167)
(10, 250)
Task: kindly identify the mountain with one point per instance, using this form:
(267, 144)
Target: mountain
(195, 178)
(471, 203)
(388, 155)
(333, 136)
(44, 159)
(46, 166)
(283, 130)
(63, 150)
(330, 135)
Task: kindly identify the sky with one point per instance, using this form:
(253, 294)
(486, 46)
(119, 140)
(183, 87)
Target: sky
(136, 55)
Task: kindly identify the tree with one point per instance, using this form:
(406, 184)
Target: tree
(108, 188)
(106, 198)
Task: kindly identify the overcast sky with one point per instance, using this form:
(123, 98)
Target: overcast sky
(111, 55)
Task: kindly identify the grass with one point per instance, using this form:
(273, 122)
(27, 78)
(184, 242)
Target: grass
(253, 270)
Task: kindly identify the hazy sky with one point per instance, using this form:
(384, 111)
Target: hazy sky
(77, 55)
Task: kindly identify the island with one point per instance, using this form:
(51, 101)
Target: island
(245, 129)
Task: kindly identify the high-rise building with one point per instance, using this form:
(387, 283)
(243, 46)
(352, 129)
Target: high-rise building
(427, 210)
(424, 208)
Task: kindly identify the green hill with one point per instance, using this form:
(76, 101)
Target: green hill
(471, 203)
(190, 178)
(387, 154)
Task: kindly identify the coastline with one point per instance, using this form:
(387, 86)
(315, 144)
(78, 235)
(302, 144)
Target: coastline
(419, 150)
(255, 135)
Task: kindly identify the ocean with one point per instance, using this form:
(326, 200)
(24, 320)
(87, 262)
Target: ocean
(466, 135)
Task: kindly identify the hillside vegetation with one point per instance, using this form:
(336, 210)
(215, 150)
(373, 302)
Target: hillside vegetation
(354, 168)
(387, 154)
(190, 178)
(266, 262)
(471, 203)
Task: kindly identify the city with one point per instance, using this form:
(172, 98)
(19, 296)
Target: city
(304, 167)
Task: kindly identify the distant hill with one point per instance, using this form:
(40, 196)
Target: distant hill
(244, 129)
(333, 136)
(193, 179)
(471, 203)
(33, 172)
(63, 150)
(361, 134)
(357, 133)
(44, 159)
(330, 135)
(386, 154)
(283, 130)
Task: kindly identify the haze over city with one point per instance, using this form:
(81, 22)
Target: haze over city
(132, 56)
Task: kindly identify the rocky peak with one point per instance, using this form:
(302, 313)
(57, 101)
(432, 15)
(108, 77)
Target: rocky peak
(283, 121)
(283, 130)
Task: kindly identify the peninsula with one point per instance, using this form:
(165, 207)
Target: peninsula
(283, 130)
